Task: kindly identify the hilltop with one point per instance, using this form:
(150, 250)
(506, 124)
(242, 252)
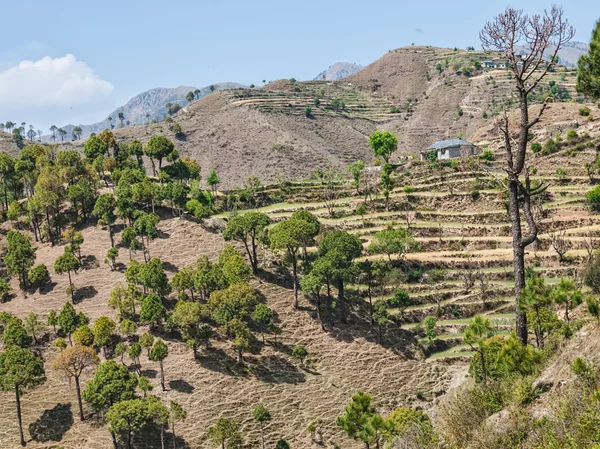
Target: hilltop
(338, 71)
(421, 94)
(146, 107)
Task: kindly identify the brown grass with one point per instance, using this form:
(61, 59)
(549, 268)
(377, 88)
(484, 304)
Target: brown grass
(342, 361)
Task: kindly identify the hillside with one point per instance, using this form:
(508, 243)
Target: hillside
(145, 107)
(421, 94)
(338, 71)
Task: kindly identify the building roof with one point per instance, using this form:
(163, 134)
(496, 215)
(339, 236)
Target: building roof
(441, 144)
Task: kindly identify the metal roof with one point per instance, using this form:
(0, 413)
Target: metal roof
(441, 144)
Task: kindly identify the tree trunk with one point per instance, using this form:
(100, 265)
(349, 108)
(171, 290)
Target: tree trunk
(370, 300)
(173, 431)
(483, 368)
(567, 312)
(538, 332)
(129, 439)
(71, 287)
(254, 256)
(114, 440)
(518, 258)
(162, 375)
(19, 420)
(79, 399)
(162, 436)
(318, 310)
(342, 301)
(295, 280)
(262, 435)
(110, 234)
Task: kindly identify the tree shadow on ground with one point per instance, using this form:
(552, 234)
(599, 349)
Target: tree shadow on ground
(168, 266)
(181, 386)
(46, 288)
(149, 373)
(275, 369)
(53, 424)
(219, 361)
(84, 293)
(89, 262)
(149, 438)
(280, 277)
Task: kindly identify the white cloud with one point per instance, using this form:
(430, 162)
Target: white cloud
(48, 83)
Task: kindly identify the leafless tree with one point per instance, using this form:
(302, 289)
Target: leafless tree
(590, 243)
(484, 286)
(543, 36)
(468, 274)
(560, 243)
(330, 190)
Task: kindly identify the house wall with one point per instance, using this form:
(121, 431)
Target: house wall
(449, 153)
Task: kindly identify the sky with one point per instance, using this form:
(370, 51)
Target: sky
(74, 61)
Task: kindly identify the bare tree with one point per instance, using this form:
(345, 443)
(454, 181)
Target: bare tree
(468, 274)
(484, 286)
(543, 36)
(560, 243)
(590, 243)
(330, 190)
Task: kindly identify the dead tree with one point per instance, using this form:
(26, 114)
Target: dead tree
(542, 35)
(484, 285)
(330, 191)
(590, 243)
(468, 275)
(560, 243)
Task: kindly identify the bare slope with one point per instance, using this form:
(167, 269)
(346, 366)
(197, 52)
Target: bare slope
(422, 94)
(215, 386)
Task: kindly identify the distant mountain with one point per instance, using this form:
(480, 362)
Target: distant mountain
(338, 71)
(147, 106)
(568, 55)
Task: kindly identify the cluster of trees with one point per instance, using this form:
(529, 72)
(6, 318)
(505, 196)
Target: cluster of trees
(405, 426)
(49, 190)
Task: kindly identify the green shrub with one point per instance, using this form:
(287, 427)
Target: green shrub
(550, 147)
(408, 189)
(536, 147)
(585, 111)
(4, 289)
(39, 275)
(308, 111)
(394, 109)
(475, 195)
(572, 134)
(487, 155)
(593, 197)
(197, 209)
(400, 298)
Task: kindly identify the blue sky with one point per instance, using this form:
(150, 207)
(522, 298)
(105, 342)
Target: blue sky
(121, 48)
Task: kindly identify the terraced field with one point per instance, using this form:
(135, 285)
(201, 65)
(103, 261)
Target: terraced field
(464, 238)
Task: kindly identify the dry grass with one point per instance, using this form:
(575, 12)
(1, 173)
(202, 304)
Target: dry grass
(342, 361)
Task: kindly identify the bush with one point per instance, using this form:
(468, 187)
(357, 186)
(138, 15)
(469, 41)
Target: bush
(408, 190)
(550, 147)
(394, 109)
(4, 289)
(197, 209)
(536, 147)
(475, 195)
(572, 134)
(585, 111)
(593, 197)
(591, 275)
(487, 155)
(39, 275)
(308, 111)
(399, 299)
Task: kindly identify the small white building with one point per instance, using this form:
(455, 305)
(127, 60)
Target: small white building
(450, 149)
